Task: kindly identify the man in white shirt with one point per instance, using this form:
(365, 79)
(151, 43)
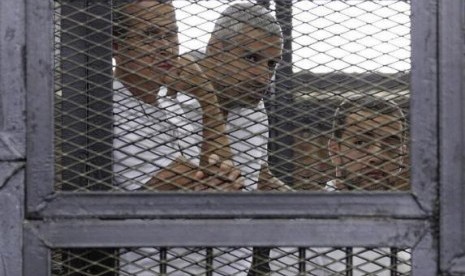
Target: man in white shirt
(149, 122)
(367, 147)
(241, 58)
(152, 148)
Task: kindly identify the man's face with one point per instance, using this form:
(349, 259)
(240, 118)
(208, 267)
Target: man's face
(146, 52)
(313, 167)
(244, 65)
(371, 150)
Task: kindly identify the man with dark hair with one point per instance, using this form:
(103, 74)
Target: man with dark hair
(153, 139)
(154, 147)
(241, 57)
(367, 144)
(367, 148)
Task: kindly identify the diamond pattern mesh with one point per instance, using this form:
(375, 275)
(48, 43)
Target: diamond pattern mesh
(116, 128)
(234, 261)
(121, 124)
(143, 99)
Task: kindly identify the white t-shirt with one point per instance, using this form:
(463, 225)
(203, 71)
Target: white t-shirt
(146, 137)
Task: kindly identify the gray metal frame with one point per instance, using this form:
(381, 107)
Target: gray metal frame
(289, 219)
(452, 135)
(12, 135)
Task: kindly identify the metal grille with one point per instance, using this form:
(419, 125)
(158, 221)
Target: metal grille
(118, 129)
(234, 261)
(333, 50)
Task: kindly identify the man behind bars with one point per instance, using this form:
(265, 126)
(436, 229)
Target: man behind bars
(241, 57)
(149, 122)
(367, 146)
(240, 60)
(144, 56)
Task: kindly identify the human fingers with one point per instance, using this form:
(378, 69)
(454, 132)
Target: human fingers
(199, 175)
(213, 159)
(234, 174)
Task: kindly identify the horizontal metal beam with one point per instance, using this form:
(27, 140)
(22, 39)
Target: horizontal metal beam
(229, 205)
(238, 232)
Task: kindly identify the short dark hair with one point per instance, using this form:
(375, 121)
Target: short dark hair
(314, 114)
(355, 103)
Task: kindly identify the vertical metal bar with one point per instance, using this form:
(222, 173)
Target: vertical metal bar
(394, 261)
(86, 67)
(349, 261)
(163, 260)
(260, 261)
(86, 60)
(12, 135)
(36, 255)
(209, 261)
(425, 256)
(73, 48)
(424, 103)
(99, 95)
(452, 134)
(39, 102)
(281, 115)
(11, 204)
(302, 261)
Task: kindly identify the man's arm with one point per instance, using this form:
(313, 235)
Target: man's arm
(192, 81)
(216, 170)
(183, 175)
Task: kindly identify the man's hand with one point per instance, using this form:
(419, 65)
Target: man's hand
(187, 76)
(182, 175)
(219, 177)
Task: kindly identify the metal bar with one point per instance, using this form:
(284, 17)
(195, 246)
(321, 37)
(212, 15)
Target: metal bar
(302, 261)
(39, 84)
(239, 205)
(100, 96)
(452, 133)
(11, 204)
(424, 103)
(12, 85)
(209, 262)
(394, 261)
(73, 58)
(197, 233)
(163, 261)
(425, 256)
(281, 115)
(86, 109)
(37, 259)
(349, 261)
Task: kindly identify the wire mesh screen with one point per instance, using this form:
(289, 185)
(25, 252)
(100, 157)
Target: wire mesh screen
(207, 95)
(236, 261)
(231, 96)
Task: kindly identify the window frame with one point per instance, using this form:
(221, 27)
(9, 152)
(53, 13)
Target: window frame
(288, 218)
